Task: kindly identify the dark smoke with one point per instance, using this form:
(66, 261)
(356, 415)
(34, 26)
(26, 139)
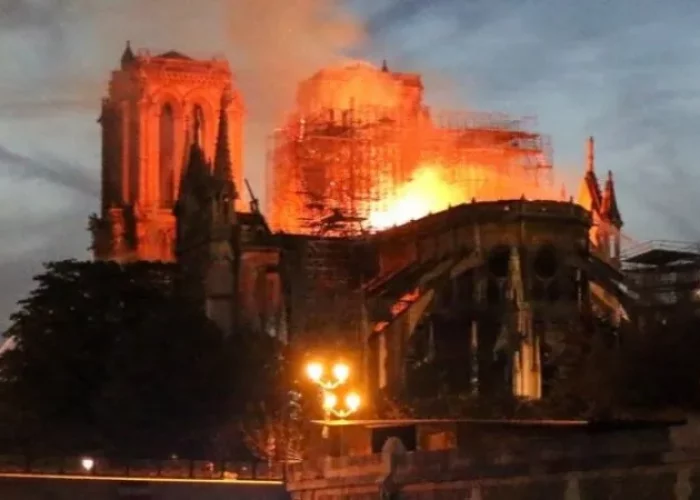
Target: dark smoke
(41, 14)
(58, 172)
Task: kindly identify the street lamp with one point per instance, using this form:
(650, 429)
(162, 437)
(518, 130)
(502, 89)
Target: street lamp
(330, 403)
(340, 373)
(88, 464)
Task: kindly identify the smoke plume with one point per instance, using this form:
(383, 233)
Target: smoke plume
(57, 172)
(286, 43)
(271, 44)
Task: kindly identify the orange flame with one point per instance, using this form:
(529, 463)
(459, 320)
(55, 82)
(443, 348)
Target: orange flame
(425, 193)
(430, 190)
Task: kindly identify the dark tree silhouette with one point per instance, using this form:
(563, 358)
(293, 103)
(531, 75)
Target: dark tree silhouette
(109, 357)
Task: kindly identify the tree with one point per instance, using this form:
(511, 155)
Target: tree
(659, 369)
(277, 413)
(166, 388)
(109, 356)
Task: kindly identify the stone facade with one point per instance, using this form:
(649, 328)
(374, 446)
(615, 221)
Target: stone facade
(147, 129)
(171, 168)
(506, 275)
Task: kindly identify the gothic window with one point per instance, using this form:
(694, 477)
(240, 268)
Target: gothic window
(546, 263)
(166, 143)
(498, 265)
(546, 267)
(499, 261)
(198, 119)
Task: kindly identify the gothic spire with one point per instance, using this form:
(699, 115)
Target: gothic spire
(590, 155)
(609, 207)
(196, 177)
(222, 156)
(128, 55)
(223, 172)
(589, 193)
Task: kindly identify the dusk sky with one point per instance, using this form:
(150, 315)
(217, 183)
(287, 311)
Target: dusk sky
(625, 71)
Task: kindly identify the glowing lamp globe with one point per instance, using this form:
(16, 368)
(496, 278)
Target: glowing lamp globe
(87, 464)
(329, 401)
(352, 401)
(341, 372)
(314, 371)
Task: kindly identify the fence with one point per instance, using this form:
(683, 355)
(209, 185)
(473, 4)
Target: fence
(167, 469)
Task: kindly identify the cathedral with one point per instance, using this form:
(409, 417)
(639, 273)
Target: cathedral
(171, 169)
(493, 284)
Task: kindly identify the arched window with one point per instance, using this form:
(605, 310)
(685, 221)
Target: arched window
(166, 148)
(198, 118)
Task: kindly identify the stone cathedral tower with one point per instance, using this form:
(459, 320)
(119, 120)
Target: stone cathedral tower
(147, 131)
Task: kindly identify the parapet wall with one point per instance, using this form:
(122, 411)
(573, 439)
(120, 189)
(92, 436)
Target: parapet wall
(505, 460)
(642, 476)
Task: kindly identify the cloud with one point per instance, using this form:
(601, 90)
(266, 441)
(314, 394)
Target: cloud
(31, 240)
(69, 47)
(55, 171)
(35, 14)
(622, 70)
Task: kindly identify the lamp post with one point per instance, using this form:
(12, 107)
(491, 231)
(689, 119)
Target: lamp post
(340, 374)
(330, 403)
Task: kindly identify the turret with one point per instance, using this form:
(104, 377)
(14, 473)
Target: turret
(128, 56)
(224, 190)
(589, 195)
(609, 210)
(196, 178)
(194, 195)
(223, 171)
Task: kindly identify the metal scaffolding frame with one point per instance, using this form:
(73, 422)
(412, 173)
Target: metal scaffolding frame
(666, 273)
(328, 171)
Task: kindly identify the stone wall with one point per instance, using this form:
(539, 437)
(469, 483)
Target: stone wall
(678, 479)
(494, 461)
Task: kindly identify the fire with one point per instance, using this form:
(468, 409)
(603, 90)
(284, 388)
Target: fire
(430, 190)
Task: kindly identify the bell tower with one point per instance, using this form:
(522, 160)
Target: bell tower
(147, 130)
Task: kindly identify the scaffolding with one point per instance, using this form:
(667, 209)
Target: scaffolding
(328, 171)
(666, 273)
(325, 294)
